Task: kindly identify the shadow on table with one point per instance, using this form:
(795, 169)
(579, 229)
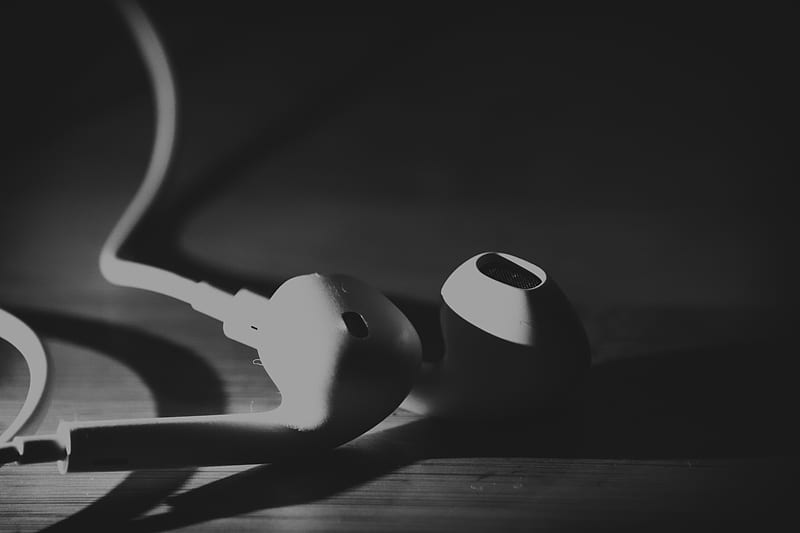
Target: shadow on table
(701, 402)
(161, 365)
(719, 401)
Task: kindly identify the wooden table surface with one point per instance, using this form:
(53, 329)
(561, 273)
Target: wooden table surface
(622, 170)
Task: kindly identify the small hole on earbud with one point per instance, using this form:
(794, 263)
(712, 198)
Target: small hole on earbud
(356, 326)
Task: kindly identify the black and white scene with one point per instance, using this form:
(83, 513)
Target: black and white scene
(396, 268)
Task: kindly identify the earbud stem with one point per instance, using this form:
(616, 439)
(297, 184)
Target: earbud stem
(175, 442)
(241, 314)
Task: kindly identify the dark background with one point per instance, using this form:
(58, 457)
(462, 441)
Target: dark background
(639, 158)
(645, 161)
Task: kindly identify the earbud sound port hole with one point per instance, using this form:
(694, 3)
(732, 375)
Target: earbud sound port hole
(355, 324)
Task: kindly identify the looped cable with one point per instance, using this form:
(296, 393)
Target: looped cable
(21, 337)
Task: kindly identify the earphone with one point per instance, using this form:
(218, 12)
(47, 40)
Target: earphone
(341, 354)
(509, 333)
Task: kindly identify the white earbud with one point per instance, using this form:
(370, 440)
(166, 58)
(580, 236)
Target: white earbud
(341, 354)
(513, 345)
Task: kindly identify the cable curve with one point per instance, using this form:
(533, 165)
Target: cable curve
(126, 273)
(201, 296)
(116, 270)
(21, 337)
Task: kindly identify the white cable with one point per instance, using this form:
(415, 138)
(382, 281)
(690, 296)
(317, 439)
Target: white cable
(203, 297)
(27, 343)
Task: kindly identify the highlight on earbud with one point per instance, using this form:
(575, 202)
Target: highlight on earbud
(337, 348)
(514, 346)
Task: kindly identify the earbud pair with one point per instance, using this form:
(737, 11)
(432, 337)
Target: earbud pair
(513, 345)
(344, 357)
(335, 347)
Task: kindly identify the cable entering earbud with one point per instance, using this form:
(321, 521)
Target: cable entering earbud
(342, 355)
(232, 310)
